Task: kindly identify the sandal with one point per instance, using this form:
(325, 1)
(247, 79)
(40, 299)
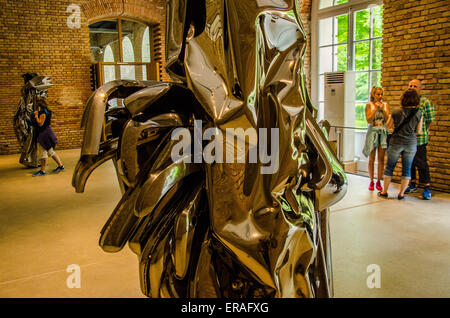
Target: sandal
(400, 197)
(383, 195)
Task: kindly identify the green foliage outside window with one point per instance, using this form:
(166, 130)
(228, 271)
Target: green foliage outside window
(362, 86)
(366, 50)
(342, 58)
(376, 79)
(377, 21)
(362, 25)
(342, 28)
(341, 37)
(367, 56)
(360, 115)
(362, 56)
(376, 54)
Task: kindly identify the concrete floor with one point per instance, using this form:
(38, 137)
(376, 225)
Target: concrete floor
(45, 227)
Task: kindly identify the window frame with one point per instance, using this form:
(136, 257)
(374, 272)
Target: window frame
(332, 6)
(152, 67)
(349, 8)
(370, 40)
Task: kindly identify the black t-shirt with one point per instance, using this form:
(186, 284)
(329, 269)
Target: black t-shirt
(407, 134)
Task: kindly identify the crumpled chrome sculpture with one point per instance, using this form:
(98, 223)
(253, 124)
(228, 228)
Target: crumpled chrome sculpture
(220, 229)
(34, 87)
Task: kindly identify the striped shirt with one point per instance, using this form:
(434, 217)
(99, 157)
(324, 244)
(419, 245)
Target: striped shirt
(428, 112)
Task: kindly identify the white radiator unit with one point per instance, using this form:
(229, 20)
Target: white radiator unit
(339, 110)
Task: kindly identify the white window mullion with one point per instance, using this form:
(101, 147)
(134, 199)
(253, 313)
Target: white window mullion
(350, 47)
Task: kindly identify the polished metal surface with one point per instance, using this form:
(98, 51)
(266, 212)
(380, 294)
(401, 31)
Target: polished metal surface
(96, 107)
(136, 134)
(226, 228)
(89, 163)
(139, 101)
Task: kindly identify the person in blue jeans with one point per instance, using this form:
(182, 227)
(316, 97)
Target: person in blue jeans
(407, 122)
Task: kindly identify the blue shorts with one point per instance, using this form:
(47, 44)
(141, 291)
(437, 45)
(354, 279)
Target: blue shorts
(393, 153)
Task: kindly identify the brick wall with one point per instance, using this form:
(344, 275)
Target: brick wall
(304, 7)
(34, 37)
(416, 44)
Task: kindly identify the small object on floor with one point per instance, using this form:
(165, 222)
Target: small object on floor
(371, 186)
(426, 193)
(383, 195)
(39, 173)
(59, 169)
(411, 188)
(379, 187)
(400, 197)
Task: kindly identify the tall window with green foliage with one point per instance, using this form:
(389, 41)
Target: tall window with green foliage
(359, 50)
(367, 44)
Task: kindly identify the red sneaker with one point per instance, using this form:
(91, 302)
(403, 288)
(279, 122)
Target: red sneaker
(379, 187)
(371, 186)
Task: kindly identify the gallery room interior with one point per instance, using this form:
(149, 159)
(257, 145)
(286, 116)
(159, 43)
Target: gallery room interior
(119, 209)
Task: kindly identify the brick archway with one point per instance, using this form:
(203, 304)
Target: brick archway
(151, 12)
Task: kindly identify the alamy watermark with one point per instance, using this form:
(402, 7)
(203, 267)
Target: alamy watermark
(374, 279)
(74, 279)
(74, 20)
(234, 143)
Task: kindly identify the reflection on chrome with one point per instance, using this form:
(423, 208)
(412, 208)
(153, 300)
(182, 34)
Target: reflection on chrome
(220, 229)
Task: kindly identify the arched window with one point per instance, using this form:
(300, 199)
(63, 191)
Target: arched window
(122, 50)
(108, 55)
(128, 51)
(127, 71)
(145, 50)
(109, 71)
(146, 45)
